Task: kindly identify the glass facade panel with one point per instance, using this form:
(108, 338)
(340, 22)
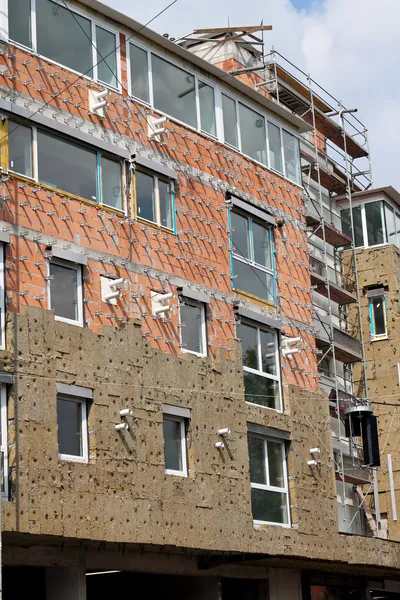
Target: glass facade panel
(253, 281)
(379, 316)
(172, 444)
(19, 22)
(257, 460)
(268, 352)
(66, 166)
(111, 178)
(139, 73)
(252, 134)
(230, 121)
(69, 419)
(261, 390)
(275, 464)
(291, 152)
(165, 194)
(262, 246)
(275, 147)
(240, 235)
(192, 337)
(20, 149)
(249, 337)
(64, 36)
(145, 196)
(174, 91)
(269, 506)
(390, 225)
(358, 227)
(64, 291)
(207, 109)
(106, 44)
(375, 223)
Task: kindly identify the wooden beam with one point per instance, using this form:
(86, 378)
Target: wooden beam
(234, 29)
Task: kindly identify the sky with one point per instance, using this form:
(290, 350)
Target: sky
(351, 47)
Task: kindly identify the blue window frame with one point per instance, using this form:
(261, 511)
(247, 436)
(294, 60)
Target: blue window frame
(252, 256)
(377, 318)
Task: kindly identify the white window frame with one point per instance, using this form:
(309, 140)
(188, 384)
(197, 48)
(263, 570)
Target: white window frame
(382, 336)
(94, 22)
(84, 429)
(156, 192)
(362, 206)
(267, 486)
(79, 283)
(203, 325)
(182, 421)
(2, 299)
(4, 439)
(277, 377)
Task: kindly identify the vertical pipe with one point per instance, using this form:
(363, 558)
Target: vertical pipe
(376, 500)
(391, 484)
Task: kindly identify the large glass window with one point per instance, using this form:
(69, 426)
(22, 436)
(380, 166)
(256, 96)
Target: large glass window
(174, 91)
(154, 199)
(275, 147)
(390, 225)
(175, 459)
(252, 134)
(193, 327)
(139, 73)
(358, 226)
(260, 365)
(207, 109)
(111, 178)
(375, 220)
(252, 257)
(72, 428)
(268, 477)
(291, 153)
(64, 36)
(375, 223)
(20, 149)
(65, 291)
(67, 166)
(106, 44)
(19, 22)
(377, 318)
(230, 121)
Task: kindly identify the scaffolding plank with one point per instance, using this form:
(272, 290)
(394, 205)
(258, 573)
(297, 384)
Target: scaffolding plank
(347, 348)
(337, 294)
(286, 79)
(353, 479)
(333, 132)
(333, 236)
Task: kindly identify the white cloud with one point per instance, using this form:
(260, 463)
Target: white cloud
(349, 46)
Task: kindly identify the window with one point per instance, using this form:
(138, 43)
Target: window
(377, 318)
(375, 223)
(375, 220)
(139, 73)
(230, 121)
(291, 153)
(260, 365)
(207, 109)
(154, 199)
(174, 91)
(275, 147)
(252, 257)
(47, 27)
(268, 477)
(69, 167)
(65, 291)
(2, 300)
(252, 134)
(175, 455)
(193, 326)
(72, 428)
(4, 440)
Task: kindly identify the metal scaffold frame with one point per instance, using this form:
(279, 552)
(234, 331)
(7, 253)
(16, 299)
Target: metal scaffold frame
(318, 107)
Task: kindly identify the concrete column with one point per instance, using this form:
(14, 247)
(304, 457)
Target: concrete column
(284, 584)
(65, 583)
(4, 20)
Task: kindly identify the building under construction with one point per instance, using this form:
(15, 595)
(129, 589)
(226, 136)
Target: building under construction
(185, 402)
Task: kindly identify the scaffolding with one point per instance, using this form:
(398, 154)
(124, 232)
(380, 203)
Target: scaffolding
(335, 162)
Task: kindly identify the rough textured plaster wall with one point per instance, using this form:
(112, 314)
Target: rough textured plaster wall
(381, 267)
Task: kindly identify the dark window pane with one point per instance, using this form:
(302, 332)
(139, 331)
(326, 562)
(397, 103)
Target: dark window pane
(64, 36)
(64, 291)
(390, 225)
(19, 22)
(252, 134)
(248, 335)
(257, 460)
(139, 73)
(174, 91)
(269, 506)
(275, 464)
(275, 147)
(20, 148)
(106, 49)
(192, 329)
(291, 153)
(164, 190)
(346, 225)
(111, 183)
(145, 196)
(240, 235)
(69, 420)
(68, 167)
(230, 121)
(373, 216)
(378, 307)
(261, 390)
(207, 108)
(268, 355)
(253, 281)
(172, 445)
(262, 246)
